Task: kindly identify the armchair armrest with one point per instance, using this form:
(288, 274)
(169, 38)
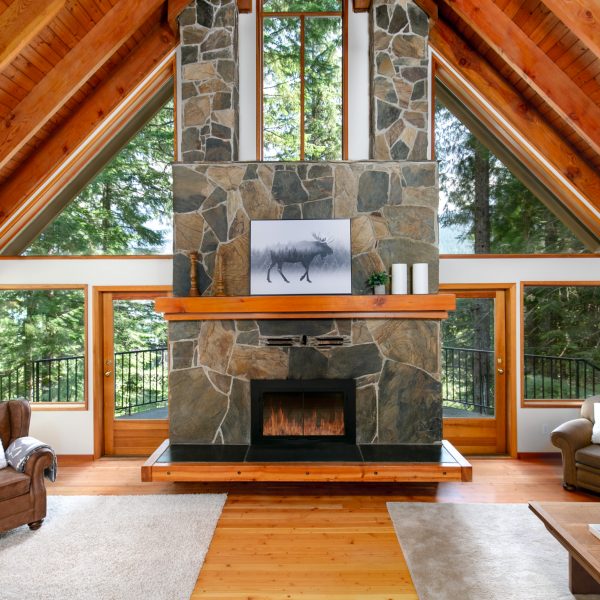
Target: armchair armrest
(38, 462)
(570, 437)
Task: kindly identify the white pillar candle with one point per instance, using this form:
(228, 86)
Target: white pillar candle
(420, 278)
(399, 279)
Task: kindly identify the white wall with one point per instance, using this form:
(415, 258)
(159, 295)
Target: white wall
(72, 432)
(533, 424)
(358, 84)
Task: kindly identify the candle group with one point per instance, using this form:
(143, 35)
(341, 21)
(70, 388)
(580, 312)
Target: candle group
(420, 278)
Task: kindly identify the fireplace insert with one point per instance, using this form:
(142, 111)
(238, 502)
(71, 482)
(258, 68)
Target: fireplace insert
(305, 410)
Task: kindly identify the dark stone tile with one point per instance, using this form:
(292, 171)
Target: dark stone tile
(303, 451)
(226, 69)
(217, 39)
(410, 405)
(236, 426)
(188, 90)
(398, 21)
(221, 53)
(202, 278)
(181, 275)
(183, 330)
(319, 188)
(191, 140)
(217, 219)
(387, 115)
(209, 242)
(362, 266)
(199, 408)
(287, 188)
(194, 35)
(217, 196)
(187, 17)
(344, 326)
(204, 13)
(249, 338)
(251, 172)
(246, 325)
(225, 16)
(373, 189)
(220, 131)
(189, 54)
(382, 17)
(320, 209)
(419, 23)
(419, 151)
(421, 453)
(413, 74)
(354, 361)
(307, 363)
(221, 101)
(218, 150)
(366, 414)
(422, 175)
(419, 90)
(317, 171)
(204, 453)
(292, 211)
(182, 354)
(400, 151)
(279, 327)
(395, 250)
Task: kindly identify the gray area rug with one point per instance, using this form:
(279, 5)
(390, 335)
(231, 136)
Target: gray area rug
(481, 552)
(111, 547)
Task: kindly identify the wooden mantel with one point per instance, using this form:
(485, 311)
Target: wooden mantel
(206, 308)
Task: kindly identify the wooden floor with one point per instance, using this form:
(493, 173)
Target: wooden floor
(325, 542)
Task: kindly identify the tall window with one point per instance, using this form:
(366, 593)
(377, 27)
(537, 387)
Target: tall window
(127, 208)
(302, 79)
(484, 208)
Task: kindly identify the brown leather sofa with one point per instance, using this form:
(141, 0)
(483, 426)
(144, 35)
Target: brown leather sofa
(22, 495)
(581, 458)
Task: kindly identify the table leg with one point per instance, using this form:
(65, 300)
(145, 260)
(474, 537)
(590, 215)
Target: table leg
(580, 581)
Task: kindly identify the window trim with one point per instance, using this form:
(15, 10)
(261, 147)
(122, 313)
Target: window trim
(543, 402)
(260, 14)
(63, 406)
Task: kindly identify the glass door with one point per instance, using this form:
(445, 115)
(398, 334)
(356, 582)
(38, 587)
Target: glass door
(135, 362)
(474, 372)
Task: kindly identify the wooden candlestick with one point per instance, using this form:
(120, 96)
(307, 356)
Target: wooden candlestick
(219, 283)
(193, 274)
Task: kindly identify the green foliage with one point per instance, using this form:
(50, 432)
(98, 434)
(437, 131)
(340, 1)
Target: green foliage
(137, 325)
(378, 278)
(518, 222)
(282, 86)
(127, 208)
(302, 5)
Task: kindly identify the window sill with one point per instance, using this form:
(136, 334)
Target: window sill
(551, 403)
(52, 406)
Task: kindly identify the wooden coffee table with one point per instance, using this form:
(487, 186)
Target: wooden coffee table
(568, 523)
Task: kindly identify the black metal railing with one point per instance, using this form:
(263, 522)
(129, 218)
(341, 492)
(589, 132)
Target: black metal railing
(45, 380)
(560, 378)
(141, 380)
(468, 379)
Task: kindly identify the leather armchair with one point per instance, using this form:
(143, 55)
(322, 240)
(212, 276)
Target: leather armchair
(22, 495)
(581, 458)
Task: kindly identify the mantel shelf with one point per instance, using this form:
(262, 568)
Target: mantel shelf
(206, 308)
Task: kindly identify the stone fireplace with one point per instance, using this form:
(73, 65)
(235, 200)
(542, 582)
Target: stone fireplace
(393, 365)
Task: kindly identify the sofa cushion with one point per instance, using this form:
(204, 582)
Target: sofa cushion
(4, 424)
(589, 455)
(13, 484)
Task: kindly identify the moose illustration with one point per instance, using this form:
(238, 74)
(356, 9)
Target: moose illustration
(300, 252)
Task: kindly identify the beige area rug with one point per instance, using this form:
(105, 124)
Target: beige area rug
(481, 552)
(111, 548)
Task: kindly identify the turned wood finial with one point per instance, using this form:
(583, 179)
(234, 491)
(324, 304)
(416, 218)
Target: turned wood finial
(193, 274)
(219, 282)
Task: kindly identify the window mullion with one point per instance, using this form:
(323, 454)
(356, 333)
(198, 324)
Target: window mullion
(302, 87)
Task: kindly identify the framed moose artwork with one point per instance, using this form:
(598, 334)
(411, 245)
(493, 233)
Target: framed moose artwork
(310, 256)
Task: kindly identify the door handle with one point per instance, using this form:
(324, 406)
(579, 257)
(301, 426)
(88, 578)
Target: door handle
(107, 373)
(501, 371)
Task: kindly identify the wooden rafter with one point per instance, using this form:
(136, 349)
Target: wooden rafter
(21, 22)
(582, 17)
(97, 107)
(527, 121)
(245, 6)
(508, 40)
(70, 73)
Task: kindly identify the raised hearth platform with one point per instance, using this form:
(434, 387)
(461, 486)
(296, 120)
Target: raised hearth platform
(368, 463)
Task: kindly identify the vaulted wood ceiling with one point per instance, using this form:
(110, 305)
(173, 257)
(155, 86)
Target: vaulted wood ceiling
(67, 64)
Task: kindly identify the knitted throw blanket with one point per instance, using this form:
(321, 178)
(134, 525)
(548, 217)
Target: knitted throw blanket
(19, 452)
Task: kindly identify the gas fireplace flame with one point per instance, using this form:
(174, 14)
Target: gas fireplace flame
(321, 421)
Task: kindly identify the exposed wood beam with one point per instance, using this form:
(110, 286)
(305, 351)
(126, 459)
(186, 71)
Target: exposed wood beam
(514, 109)
(37, 173)
(174, 9)
(21, 22)
(244, 6)
(582, 17)
(428, 6)
(508, 40)
(70, 73)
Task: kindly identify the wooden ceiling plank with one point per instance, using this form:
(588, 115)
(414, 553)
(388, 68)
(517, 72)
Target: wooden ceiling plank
(524, 118)
(582, 17)
(533, 65)
(71, 73)
(93, 110)
(21, 22)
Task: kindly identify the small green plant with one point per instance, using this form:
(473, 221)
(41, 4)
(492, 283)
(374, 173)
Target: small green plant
(378, 278)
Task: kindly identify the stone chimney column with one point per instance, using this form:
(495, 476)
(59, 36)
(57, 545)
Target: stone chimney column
(399, 63)
(209, 81)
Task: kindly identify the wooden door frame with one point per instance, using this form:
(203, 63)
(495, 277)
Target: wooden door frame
(511, 364)
(100, 296)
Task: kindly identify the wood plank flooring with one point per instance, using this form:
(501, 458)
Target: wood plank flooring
(317, 542)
